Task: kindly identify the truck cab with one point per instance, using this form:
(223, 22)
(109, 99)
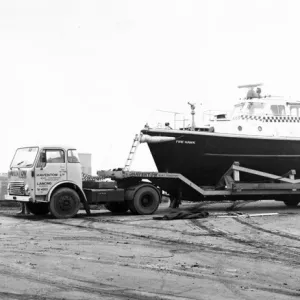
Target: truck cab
(49, 179)
(39, 173)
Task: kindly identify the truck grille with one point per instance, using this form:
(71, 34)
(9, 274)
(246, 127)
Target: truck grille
(17, 188)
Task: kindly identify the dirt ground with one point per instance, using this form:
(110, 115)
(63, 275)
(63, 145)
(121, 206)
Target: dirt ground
(104, 256)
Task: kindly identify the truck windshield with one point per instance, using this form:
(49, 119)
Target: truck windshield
(24, 157)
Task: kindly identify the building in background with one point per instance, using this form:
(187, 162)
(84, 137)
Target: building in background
(86, 162)
(3, 185)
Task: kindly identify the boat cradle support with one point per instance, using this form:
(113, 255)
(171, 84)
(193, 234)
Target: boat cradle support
(271, 185)
(229, 186)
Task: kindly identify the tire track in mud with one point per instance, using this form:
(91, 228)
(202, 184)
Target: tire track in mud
(222, 279)
(189, 246)
(113, 290)
(233, 239)
(257, 245)
(196, 246)
(272, 250)
(25, 219)
(89, 287)
(15, 296)
(273, 232)
(144, 226)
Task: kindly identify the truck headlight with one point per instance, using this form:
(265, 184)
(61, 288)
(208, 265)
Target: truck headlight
(26, 189)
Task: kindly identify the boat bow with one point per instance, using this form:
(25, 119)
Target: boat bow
(145, 138)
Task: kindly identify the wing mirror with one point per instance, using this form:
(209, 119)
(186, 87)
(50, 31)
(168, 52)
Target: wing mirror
(43, 157)
(43, 160)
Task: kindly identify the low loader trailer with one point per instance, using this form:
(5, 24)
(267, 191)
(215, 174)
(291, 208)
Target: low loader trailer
(50, 179)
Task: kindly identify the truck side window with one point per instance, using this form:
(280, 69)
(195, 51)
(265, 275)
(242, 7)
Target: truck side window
(55, 156)
(73, 156)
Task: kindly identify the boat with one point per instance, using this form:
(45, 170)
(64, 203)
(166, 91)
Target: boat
(262, 132)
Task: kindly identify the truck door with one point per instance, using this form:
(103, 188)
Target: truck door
(51, 169)
(74, 167)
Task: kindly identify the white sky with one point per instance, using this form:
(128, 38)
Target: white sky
(91, 73)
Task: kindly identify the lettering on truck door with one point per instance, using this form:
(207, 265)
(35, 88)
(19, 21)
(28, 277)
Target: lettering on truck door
(50, 172)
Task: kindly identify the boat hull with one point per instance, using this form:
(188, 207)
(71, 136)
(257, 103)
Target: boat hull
(203, 157)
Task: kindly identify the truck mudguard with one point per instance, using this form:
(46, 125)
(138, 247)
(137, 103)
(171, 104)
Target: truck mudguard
(71, 185)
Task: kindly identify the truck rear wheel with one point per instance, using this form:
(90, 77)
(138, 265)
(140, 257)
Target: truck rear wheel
(131, 206)
(38, 208)
(117, 207)
(291, 203)
(146, 200)
(64, 203)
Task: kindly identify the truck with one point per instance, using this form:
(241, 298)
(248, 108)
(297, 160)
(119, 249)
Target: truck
(50, 179)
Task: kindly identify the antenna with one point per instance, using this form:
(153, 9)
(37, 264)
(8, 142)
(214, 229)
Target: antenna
(250, 85)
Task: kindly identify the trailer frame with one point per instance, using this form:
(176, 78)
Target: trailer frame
(229, 185)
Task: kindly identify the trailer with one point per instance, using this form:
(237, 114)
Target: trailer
(230, 187)
(49, 179)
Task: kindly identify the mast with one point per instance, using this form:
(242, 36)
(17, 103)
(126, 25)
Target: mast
(193, 115)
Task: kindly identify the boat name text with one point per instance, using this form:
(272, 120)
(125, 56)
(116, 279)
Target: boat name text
(186, 142)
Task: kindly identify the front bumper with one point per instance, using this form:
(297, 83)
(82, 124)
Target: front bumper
(18, 198)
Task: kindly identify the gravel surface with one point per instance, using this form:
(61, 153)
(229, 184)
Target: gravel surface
(229, 255)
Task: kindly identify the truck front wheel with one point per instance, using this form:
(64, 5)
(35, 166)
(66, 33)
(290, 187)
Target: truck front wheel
(38, 208)
(64, 203)
(146, 200)
(117, 207)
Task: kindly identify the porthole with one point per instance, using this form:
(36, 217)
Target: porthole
(259, 128)
(240, 128)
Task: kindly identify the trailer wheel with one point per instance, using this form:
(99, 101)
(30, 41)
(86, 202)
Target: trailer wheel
(291, 203)
(38, 208)
(117, 207)
(146, 200)
(64, 203)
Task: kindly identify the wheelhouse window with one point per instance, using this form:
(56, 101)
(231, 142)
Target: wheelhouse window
(254, 108)
(294, 110)
(237, 109)
(278, 110)
(73, 156)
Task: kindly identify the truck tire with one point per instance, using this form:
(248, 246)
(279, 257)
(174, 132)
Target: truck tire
(38, 209)
(117, 207)
(64, 203)
(291, 203)
(131, 207)
(146, 200)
